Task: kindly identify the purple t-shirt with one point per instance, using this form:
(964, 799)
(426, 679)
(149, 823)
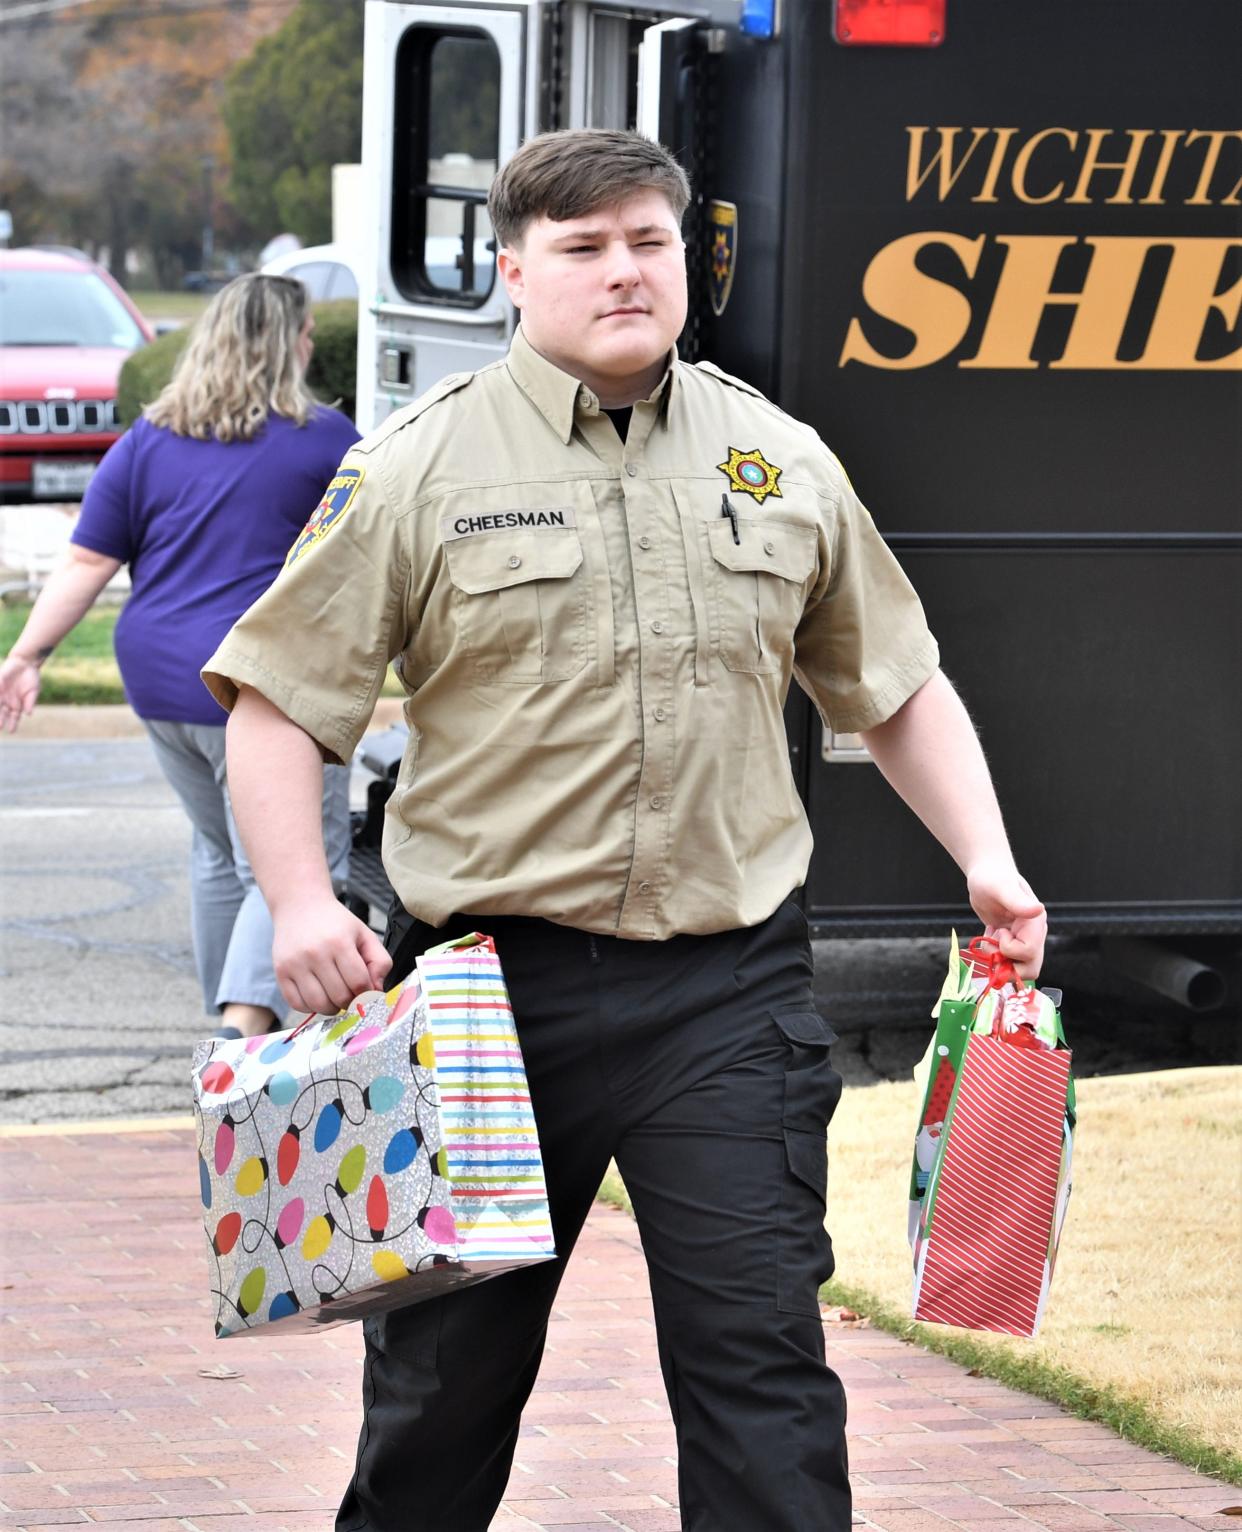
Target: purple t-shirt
(204, 527)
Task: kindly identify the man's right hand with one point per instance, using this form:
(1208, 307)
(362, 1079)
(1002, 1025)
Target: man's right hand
(324, 956)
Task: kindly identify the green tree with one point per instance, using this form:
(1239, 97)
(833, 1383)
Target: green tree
(293, 109)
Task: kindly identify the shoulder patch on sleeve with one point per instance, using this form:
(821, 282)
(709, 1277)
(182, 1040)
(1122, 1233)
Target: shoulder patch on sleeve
(453, 383)
(337, 499)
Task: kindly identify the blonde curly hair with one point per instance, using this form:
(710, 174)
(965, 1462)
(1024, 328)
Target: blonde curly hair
(241, 364)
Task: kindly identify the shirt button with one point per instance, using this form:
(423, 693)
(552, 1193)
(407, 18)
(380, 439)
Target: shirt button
(657, 803)
(515, 562)
(769, 547)
(644, 542)
(631, 469)
(644, 888)
(659, 714)
(657, 627)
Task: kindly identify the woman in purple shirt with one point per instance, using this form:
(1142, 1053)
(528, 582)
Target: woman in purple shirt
(203, 498)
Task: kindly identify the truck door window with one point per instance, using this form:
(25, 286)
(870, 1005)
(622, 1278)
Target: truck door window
(447, 140)
(613, 101)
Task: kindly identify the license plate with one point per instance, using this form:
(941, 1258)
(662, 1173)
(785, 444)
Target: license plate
(60, 481)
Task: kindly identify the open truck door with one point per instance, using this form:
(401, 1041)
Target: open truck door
(666, 61)
(444, 108)
(450, 91)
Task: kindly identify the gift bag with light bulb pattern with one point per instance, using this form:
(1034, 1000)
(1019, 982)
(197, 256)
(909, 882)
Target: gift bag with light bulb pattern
(373, 1158)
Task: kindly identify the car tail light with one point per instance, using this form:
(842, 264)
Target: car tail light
(889, 23)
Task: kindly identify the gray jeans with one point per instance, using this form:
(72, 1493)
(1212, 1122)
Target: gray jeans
(232, 929)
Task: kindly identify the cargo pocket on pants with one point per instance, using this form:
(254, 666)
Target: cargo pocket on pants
(812, 1090)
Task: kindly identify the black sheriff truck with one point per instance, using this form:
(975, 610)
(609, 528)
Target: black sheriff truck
(991, 250)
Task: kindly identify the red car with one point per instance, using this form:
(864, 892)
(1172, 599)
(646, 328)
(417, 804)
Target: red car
(65, 329)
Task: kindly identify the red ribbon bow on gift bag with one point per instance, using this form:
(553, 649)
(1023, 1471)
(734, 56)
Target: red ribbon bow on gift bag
(1000, 974)
(995, 966)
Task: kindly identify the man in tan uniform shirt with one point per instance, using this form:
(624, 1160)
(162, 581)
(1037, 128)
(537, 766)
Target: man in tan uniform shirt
(597, 569)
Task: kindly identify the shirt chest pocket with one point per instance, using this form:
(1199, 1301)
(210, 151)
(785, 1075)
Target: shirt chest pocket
(520, 602)
(757, 590)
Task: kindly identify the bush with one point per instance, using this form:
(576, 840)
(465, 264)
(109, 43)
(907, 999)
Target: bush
(145, 373)
(332, 374)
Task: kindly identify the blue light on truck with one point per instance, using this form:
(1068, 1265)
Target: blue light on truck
(758, 18)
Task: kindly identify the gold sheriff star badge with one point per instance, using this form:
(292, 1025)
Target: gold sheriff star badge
(751, 473)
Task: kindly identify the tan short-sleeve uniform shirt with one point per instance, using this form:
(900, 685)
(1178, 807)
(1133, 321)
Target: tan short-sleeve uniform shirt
(596, 639)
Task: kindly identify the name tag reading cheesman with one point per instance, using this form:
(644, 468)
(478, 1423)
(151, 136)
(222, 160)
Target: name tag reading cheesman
(472, 524)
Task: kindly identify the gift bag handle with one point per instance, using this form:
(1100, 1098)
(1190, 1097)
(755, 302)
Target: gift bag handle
(473, 940)
(998, 970)
(322, 1016)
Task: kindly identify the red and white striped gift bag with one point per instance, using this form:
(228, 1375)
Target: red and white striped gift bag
(986, 1249)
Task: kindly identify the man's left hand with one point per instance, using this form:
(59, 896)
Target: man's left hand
(1012, 916)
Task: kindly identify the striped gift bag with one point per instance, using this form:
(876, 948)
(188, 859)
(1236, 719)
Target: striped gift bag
(487, 1127)
(373, 1158)
(992, 1172)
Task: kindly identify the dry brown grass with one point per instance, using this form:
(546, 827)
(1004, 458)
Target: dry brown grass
(1147, 1296)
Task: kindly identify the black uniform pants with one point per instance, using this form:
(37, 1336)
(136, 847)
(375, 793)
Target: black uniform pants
(702, 1066)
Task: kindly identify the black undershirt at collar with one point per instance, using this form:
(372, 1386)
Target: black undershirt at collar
(621, 419)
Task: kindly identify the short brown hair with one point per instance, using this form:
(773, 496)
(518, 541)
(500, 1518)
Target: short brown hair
(568, 173)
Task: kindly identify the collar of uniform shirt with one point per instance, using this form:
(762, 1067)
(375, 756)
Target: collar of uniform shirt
(557, 395)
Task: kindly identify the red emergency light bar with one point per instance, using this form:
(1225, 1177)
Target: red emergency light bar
(889, 23)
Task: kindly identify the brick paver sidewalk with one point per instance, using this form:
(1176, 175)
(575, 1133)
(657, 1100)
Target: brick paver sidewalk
(119, 1407)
